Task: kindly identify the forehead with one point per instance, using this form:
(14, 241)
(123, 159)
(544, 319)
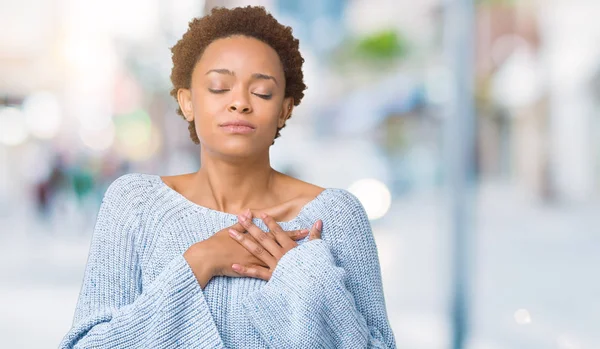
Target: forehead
(241, 54)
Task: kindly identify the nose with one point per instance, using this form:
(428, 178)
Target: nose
(240, 104)
(242, 109)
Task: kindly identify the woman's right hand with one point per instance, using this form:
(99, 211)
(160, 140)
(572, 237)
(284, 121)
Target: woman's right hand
(215, 255)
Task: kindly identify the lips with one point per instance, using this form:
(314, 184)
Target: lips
(238, 123)
(239, 127)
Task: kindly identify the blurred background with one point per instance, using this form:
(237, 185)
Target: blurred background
(476, 154)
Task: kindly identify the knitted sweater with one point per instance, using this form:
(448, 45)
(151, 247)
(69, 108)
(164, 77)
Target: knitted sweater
(139, 292)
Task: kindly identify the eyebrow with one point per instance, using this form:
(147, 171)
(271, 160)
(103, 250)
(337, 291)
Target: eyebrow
(259, 76)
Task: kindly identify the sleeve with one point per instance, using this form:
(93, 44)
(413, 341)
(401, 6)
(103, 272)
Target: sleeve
(113, 311)
(319, 299)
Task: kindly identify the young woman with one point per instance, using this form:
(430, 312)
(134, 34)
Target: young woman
(235, 255)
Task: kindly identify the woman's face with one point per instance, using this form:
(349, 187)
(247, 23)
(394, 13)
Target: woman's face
(237, 80)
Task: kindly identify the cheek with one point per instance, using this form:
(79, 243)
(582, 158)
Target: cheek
(268, 112)
(206, 111)
(206, 104)
(269, 119)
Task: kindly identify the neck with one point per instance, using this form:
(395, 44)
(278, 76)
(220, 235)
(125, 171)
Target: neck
(234, 185)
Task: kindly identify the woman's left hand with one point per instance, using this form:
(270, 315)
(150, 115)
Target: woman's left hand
(269, 246)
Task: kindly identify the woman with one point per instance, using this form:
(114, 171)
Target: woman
(172, 265)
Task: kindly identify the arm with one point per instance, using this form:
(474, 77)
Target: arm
(316, 298)
(112, 310)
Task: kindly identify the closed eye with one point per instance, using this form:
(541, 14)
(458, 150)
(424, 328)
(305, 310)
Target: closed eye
(263, 96)
(225, 90)
(217, 91)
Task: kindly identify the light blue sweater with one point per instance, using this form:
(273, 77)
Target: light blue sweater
(139, 292)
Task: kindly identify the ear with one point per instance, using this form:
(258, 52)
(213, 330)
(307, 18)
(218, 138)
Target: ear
(184, 98)
(286, 112)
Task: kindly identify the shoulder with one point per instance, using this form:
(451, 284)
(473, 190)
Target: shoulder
(343, 201)
(340, 208)
(335, 199)
(125, 203)
(129, 188)
(298, 186)
(346, 225)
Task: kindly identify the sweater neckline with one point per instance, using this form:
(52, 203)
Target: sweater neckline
(214, 212)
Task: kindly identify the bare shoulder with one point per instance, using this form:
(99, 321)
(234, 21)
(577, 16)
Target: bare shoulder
(177, 182)
(300, 189)
(294, 194)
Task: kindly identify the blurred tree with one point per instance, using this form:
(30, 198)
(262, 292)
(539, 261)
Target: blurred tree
(383, 45)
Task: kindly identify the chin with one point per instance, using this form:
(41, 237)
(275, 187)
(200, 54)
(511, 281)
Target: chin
(237, 148)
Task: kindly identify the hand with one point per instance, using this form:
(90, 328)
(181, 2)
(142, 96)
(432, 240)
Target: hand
(215, 255)
(268, 247)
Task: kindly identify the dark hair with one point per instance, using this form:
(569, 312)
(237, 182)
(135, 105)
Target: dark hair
(251, 21)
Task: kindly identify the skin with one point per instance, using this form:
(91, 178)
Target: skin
(240, 78)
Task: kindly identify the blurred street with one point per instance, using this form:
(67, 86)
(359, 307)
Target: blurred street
(498, 99)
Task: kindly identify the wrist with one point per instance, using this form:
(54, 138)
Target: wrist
(199, 260)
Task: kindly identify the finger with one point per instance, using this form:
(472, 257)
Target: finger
(293, 234)
(238, 227)
(315, 231)
(253, 247)
(265, 248)
(281, 236)
(248, 215)
(253, 270)
(298, 234)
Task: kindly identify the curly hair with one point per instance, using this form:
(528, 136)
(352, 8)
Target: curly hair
(251, 21)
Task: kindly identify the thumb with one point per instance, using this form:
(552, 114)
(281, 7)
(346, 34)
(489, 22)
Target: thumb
(315, 231)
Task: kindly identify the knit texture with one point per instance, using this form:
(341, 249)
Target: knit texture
(138, 290)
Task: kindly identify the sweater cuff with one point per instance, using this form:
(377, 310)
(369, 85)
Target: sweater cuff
(188, 302)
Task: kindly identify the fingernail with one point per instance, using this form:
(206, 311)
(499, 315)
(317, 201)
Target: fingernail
(319, 225)
(248, 213)
(304, 231)
(242, 218)
(236, 267)
(263, 215)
